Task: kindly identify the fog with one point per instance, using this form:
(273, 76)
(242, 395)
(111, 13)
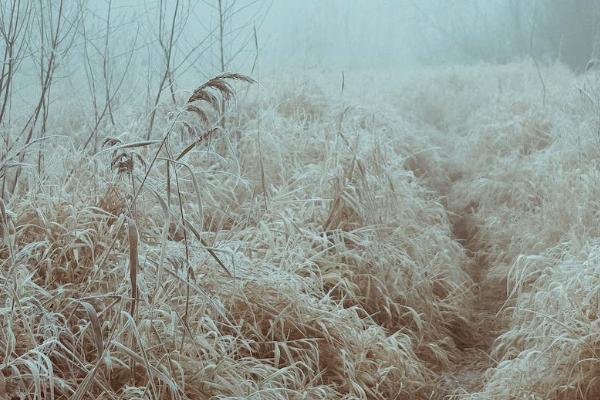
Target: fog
(110, 48)
(361, 34)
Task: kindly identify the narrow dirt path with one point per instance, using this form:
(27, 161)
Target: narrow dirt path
(467, 375)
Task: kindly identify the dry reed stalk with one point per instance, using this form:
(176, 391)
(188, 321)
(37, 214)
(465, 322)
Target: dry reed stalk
(96, 327)
(3, 217)
(132, 234)
(217, 92)
(221, 85)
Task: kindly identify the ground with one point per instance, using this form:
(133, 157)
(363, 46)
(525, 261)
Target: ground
(413, 235)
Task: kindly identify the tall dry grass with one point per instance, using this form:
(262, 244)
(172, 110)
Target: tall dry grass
(286, 252)
(529, 172)
(302, 243)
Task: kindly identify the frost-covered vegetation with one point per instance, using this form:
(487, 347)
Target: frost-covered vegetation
(383, 233)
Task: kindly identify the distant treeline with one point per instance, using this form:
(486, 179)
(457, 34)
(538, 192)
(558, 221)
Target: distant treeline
(504, 30)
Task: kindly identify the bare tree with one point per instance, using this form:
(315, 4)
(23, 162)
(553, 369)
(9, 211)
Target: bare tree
(98, 55)
(15, 21)
(569, 30)
(57, 24)
(166, 36)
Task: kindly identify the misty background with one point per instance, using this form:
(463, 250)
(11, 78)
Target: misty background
(102, 54)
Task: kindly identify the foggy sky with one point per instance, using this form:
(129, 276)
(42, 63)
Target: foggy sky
(262, 36)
